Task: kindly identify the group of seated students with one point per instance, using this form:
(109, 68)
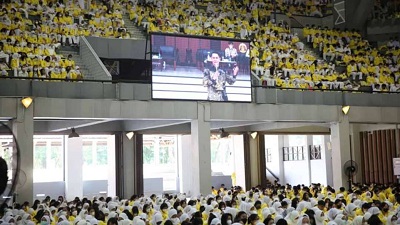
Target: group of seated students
(183, 15)
(272, 205)
(385, 10)
(370, 66)
(278, 56)
(32, 30)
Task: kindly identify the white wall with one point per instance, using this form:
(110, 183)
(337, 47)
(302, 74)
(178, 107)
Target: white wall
(272, 142)
(296, 172)
(318, 171)
(299, 172)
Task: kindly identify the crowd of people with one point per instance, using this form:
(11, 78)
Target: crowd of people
(32, 31)
(278, 56)
(386, 10)
(274, 205)
(365, 64)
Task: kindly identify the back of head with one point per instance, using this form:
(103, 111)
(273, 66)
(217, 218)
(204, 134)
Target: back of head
(282, 222)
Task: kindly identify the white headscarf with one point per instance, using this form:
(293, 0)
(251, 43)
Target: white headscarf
(339, 219)
(319, 219)
(300, 220)
(350, 209)
(292, 218)
(358, 220)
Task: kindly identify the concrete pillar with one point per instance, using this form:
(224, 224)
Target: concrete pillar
(309, 142)
(340, 137)
(255, 162)
(282, 142)
(111, 190)
(73, 168)
(22, 128)
(185, 164)
(201, 151)
(328, 159)
(124, 163)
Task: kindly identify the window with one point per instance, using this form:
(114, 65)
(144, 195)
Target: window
(295, 153)
(87, 152)
(48, 158)
(222, 155)
(268, 156)
(95, 153)
(160, 159)
(102, 157)
(315, 152)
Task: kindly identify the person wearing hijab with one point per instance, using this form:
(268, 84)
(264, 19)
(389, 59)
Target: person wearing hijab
(391, 220)
(303, 220)
(292, 218)
(319, 217)
(45, 220)
(358, 220)
(278, 208)
(157, 219)
(350, 211)
(215, 221)
(340, 219)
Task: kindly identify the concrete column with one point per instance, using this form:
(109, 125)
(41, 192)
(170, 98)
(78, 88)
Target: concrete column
(282, 142)
(309, 142)
(340, 136)
(328, 159)
(255, 162)
(111, 190)
(201, 151)
(185, 167)
(73, 168)
(22, 128)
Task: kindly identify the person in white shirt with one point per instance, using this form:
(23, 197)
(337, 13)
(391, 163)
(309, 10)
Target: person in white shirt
(231, 52)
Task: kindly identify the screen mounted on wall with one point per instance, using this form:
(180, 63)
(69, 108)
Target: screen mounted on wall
(200, 68)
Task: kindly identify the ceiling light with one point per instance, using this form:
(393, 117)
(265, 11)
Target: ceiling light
(254, 134)
(345, 109)
(73, 134)
(129, 135)
(223, 133)
(27, 102)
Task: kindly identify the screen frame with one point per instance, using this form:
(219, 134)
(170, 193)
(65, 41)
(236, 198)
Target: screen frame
(150, 35)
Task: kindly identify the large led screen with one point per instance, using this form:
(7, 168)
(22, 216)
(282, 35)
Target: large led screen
(200, 68)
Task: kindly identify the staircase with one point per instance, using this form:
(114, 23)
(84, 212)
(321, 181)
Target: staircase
(66, 50)
(136, 32)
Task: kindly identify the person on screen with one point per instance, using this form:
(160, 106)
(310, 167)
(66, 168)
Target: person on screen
(231, 52)
(215, 79)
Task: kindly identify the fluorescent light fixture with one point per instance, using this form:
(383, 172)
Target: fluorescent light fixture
(73, 134)
(345, 109)
(254, 134)
(129, 135)
(26, 102)
(223, 133)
